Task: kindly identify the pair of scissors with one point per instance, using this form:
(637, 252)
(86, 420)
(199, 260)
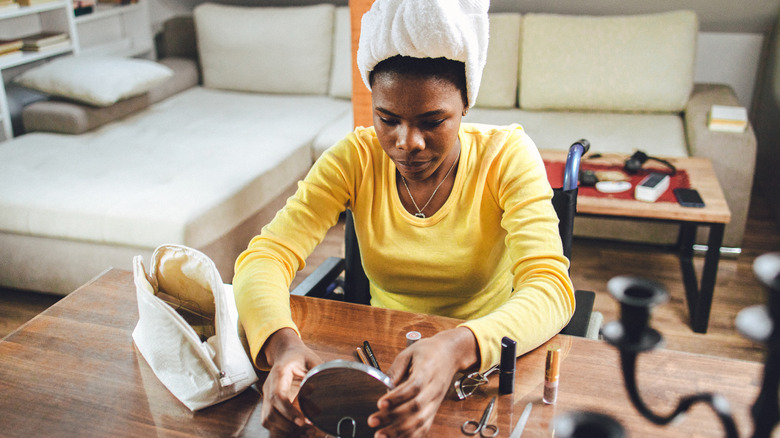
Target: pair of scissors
(485, 430)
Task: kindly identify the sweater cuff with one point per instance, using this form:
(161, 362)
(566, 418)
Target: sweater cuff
(258, 335)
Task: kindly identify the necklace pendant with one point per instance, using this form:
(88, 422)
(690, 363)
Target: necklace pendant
(420, 214)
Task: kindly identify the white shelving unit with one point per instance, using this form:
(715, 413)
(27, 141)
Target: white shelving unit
(122, 30)
(56, 15)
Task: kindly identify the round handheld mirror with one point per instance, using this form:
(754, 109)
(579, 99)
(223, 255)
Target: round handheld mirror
(338, 396)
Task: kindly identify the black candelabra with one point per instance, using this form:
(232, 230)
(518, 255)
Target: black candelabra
(586, 424)
(632, 335)
(759, 323)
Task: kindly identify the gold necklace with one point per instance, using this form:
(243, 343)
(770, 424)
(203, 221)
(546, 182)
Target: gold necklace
(420, 213)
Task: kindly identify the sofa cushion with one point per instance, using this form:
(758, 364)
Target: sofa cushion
(341, 73)
(65, 117)
(95, 80)
(621, 63)
(332, 133)
(657, 134)
(270, 50)
(228, 156)
(499, 79)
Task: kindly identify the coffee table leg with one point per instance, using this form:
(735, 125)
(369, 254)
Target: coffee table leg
(699, 297)
(685, 242)
(708, 276)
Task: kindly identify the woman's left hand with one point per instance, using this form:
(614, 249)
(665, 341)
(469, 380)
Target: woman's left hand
(422, 375)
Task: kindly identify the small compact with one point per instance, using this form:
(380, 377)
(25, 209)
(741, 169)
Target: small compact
(338, 397)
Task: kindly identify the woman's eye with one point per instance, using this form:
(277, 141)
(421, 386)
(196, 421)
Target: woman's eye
(390, 122)
(434, 123)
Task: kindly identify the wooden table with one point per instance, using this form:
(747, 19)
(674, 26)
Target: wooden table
(73, 371)
(715, 215)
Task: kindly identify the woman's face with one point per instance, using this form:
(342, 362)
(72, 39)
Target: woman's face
(417, 121)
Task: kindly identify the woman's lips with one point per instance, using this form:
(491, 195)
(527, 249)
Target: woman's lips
(413, 166)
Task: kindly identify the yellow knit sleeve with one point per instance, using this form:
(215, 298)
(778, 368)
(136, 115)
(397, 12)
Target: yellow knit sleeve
(542, 300)
(265, 270)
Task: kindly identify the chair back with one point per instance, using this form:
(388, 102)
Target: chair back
(356, 288)
(565, 205)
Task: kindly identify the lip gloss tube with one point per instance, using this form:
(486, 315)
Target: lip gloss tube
(362, 356)
(506, 377)
(551, 374)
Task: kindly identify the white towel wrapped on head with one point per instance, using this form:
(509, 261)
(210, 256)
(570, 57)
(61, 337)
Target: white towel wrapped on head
(452, 29)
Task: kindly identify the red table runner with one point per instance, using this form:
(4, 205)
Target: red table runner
(555, 176)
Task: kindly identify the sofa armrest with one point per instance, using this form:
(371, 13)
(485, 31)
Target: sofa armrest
(185, 75)
(67, 117)
(733, 155)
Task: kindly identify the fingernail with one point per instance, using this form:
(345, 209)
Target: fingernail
(373, 422)
(299, 421)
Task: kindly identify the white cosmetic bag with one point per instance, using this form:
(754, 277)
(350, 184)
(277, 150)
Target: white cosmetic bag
(187, 327)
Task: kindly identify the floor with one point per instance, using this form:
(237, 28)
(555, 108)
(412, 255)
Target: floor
(594, 264)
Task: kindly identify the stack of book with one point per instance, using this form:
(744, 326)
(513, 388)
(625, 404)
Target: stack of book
(32, 2)
(7, 5)
(45, 41)
(727, 118)
(10, 49)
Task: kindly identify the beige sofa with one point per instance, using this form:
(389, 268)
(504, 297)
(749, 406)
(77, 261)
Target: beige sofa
(206, 164)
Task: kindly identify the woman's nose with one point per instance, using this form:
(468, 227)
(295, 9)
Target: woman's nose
(409, 139)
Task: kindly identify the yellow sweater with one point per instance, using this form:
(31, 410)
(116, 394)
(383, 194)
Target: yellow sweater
(491, 255)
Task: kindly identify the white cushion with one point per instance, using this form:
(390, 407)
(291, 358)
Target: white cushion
(268, 50)
(661, 135)
(95, 80)
(499, 79)
(341, 74)
(332, 133)
(622, 63)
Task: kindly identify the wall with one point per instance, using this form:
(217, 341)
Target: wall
(730, 58)
(750, 16)
(747, 16)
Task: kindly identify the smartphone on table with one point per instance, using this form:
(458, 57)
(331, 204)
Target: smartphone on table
(688, 197)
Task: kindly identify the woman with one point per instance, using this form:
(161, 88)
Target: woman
(452, 219)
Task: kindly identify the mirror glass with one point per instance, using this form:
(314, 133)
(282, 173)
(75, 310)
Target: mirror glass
(338, 396)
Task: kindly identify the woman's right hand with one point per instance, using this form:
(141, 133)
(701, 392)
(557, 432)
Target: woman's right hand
(290, 360)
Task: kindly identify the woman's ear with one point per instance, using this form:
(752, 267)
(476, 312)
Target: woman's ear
(465, 111)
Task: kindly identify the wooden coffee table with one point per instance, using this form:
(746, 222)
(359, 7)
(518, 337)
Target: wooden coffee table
(73, 371)
(715, 215)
